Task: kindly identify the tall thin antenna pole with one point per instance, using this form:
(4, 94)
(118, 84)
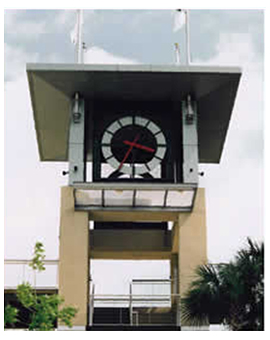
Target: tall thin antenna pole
(187, 36)
(79, 33)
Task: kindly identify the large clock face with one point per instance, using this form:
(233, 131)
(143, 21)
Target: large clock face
(133, 145)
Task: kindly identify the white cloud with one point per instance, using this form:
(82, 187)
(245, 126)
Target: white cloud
(234, 189)
(96, 55)
(15, 61)
(233, 49)
(10, 17)
(27, 30)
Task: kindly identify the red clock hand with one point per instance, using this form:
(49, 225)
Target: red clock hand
(129, 151)
(139, 146)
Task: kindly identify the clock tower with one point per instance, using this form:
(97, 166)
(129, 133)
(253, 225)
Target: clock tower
(133, 136)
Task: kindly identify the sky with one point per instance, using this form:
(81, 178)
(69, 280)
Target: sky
(234, 188)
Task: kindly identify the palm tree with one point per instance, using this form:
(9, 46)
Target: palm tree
(231, 293)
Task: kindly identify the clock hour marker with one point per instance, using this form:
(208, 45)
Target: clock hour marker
(126, 121)
(141, 121)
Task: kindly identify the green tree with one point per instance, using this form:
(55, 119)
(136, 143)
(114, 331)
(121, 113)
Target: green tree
(44, 309)
(232, 293)
(10, 315)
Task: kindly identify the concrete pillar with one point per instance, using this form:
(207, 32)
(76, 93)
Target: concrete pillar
(192, 243)
(174, 273)
(74, 257)
(175, 286)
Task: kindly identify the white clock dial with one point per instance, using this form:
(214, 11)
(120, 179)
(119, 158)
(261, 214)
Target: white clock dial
(134, 145)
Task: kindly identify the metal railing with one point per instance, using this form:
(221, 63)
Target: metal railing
(136, 309)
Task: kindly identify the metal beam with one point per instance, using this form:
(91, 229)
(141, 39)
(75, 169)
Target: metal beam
(133, 186)
(132, 209)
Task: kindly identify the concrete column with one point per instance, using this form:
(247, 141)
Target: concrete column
(192, 242)
(175, 286)
(174, 273)
(74, 257)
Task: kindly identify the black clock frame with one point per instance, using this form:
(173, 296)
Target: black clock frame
(164, 114)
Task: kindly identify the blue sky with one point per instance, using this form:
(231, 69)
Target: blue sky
(234, 188)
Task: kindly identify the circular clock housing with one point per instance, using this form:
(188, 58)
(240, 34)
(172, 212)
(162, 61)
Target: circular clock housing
(133, 145)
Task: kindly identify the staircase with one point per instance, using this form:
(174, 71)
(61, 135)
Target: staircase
(111, 316)
(117, 319)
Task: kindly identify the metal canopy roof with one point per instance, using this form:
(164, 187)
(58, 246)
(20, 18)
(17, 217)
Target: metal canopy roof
(52, 86)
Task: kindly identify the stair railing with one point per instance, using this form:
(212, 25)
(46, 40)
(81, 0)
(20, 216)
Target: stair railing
(92, 299)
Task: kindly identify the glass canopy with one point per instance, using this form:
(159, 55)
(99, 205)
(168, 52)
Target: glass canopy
(131, 196)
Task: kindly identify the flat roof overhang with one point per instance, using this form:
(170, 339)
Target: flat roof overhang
(53, 85)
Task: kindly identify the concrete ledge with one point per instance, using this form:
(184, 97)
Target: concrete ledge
(133, 328)
(195, 328)
(74, 328)
(130, 255)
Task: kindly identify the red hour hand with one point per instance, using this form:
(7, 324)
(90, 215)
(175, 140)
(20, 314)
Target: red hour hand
(129, 151)
(139, 146)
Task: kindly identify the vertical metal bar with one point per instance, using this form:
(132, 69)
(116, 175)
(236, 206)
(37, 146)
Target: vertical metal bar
(130, 304)
(190, 141)
(102, 198)
(92, 305)
(134, 198)
(177, 299)
(165, 198)
(187, 36)
(76, 144)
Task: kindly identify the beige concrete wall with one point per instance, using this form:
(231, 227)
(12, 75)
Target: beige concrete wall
(74, 256)
(124, 244)
(192, 242)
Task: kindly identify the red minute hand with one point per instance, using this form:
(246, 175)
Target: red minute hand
(139, 146)
(129, 151)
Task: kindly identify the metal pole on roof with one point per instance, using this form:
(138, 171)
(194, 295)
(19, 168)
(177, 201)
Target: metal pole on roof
(76, 36)
(80, 32)
(187, 36)
(181, 18)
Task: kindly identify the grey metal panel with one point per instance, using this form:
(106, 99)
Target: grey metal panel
(190, 164)
(190, 144)
(52, 86)
(76, 142)
(78, 174)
